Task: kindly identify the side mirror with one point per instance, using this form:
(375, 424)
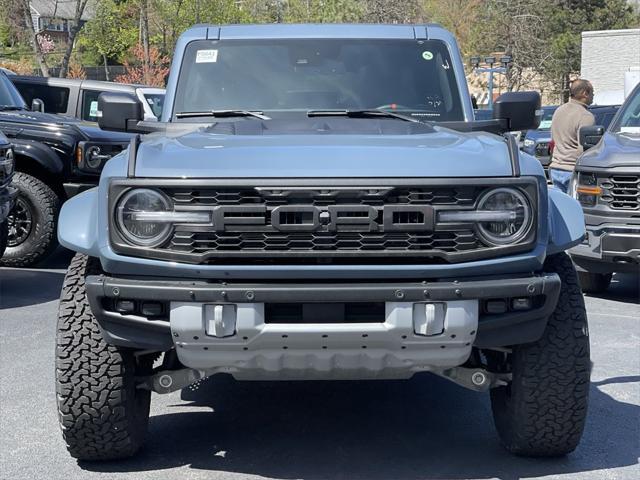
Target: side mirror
(119, 112)
(37, 105)
(590, 136)
(518, 110)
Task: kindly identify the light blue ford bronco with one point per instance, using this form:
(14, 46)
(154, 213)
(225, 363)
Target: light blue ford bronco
(318, 202)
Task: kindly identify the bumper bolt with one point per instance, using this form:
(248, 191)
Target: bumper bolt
(458, 292)
(116, 291)
(531, 288)
(250, 295)
(478, 379)
(399, 294)
(426, 293)
(165, 381)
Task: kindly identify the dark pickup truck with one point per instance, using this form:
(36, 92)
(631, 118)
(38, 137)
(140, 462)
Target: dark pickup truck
(55, 157)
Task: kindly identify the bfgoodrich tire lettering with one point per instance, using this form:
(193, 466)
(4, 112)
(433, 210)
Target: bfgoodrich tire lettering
(43, 205)
(542, 412)
(102, 415)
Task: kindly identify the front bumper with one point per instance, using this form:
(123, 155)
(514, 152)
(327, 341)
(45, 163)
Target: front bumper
(256, 348)
(609, 247)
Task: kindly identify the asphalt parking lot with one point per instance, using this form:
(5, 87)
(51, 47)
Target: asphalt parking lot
(423, 428)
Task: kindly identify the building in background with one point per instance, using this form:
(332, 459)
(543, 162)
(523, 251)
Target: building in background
(611, 61)
(56, 18)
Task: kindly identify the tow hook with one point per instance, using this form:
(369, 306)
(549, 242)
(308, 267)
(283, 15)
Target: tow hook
(168, 381)
(476, 379)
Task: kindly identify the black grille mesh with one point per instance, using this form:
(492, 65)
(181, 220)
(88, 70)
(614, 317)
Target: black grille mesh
(264, 239)
(460, 196)
(191, 242)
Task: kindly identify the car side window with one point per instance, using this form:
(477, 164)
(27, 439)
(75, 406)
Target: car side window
(90, 105)
(56, 99)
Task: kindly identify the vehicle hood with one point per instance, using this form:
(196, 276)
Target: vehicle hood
(539, 135)
(438, 153)
(615, 149)
(89, 131)
(96, 134)
(27, 116)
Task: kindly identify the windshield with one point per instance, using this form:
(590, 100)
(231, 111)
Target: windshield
(9, 96)
(628, 120)
(155, 102)
(297, 75)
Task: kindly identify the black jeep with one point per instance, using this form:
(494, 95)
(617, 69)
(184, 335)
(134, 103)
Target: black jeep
(55, 158)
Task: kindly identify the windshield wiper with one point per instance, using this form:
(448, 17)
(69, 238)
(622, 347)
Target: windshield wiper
(5, 108)
(223, 114)
(373, 112)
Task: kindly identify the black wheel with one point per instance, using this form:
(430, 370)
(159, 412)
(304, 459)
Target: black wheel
(32, 222)
(594, 282)
(542, 411)
(102, 414)
(4, 231)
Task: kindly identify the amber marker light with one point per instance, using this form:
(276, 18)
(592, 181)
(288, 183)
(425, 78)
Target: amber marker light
(589, 190)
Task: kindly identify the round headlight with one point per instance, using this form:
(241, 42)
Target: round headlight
(515, 226)
(134, 222)
(92, 157)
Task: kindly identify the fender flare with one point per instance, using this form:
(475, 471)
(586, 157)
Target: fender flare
(78, 223)
(39, 153)
(566, 222)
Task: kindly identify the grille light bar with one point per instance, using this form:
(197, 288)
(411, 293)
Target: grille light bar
(478, 216)
(171, 217)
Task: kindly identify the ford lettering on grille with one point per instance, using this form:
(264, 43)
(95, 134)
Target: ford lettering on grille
(332, 218)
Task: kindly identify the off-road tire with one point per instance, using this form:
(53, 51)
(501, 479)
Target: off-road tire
(44, 205)
(543, 411)
(102, 414)
(594, 282)
(4, 229)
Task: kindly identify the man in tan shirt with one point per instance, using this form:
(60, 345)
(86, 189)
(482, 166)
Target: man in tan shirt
(565, 127)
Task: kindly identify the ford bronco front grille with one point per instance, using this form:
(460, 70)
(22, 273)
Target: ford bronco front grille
(200, 243)
(622, 192)
(347, 222)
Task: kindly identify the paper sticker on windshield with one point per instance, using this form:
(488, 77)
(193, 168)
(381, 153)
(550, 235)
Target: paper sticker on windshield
(207, 56)
(634, 130)
(427, 55)
(93, 109)
(545, 124)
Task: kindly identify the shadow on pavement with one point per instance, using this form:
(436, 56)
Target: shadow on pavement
(60, 258)
(422, 428)
(21, 287)
(625, 287)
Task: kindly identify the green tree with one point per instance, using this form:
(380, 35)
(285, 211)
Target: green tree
(111, 33)
(322, 11)
(565, 22)
(394, 11)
